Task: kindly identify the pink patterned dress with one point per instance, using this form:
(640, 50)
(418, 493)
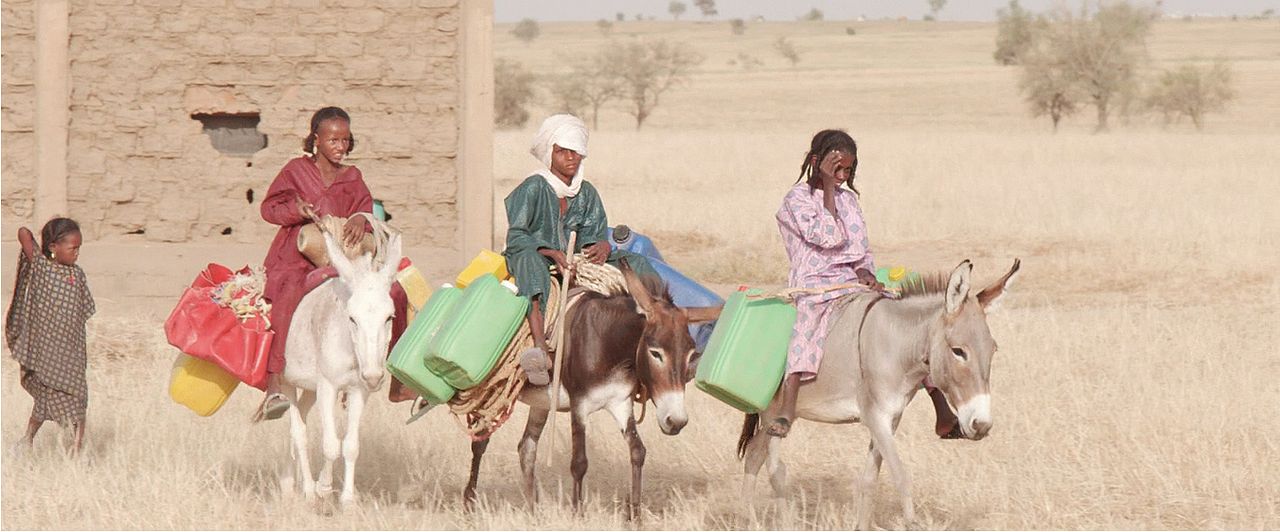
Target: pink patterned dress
(824, 251)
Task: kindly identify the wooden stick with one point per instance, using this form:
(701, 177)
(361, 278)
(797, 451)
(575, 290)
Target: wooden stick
(559, 333)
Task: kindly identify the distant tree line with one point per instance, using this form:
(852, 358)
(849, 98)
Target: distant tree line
(1072, 59)
(633, 74)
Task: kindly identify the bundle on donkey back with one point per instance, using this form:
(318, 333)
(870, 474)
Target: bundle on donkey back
(338, 343)
(877, 353)
(619, 348)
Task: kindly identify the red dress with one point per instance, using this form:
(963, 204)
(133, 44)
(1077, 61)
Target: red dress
(286, 267)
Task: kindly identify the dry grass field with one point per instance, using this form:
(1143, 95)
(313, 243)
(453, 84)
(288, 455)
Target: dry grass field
(1135, 387)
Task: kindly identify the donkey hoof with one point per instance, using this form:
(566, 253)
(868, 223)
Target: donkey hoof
(347, 501)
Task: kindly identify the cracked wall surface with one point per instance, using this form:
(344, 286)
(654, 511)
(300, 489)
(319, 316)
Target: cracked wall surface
(139, 163)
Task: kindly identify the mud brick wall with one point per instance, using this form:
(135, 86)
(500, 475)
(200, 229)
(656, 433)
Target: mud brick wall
(140, 70)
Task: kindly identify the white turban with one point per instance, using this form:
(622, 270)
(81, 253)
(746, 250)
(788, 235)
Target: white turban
(566, 131)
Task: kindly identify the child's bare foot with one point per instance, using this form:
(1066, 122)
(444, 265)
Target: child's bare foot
(948, 429)
(948, 425)
(536, 365)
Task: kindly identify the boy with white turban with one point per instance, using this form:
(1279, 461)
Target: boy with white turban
(541, 212)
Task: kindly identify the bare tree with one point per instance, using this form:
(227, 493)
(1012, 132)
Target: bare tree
(708, 7)
(526, 30)
(1047, 87)
(1191, 91)
(605, 27)
(1014, 29)
(513, 91)
(936, 6)
(787, 49)
(589, 86)
(1101, 52)
(814, 15)
(648, 69)
(676, 8)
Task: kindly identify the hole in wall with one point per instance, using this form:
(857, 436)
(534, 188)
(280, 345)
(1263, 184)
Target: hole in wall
(234, 134)
(248, 195)
(226, 230)
(138, 231)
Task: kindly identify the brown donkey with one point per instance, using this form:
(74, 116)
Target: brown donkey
(618, 346)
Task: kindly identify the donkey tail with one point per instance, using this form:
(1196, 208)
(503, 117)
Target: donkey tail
(749, 427)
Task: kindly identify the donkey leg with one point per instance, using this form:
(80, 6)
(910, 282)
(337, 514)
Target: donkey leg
(326, 400)
(301, 463)
(356, 397)
(302, 408)
(528, 449)
(777, 469)
(881, 426)
(625, 417)
(469, 493)
(867, 486)
(579, 464)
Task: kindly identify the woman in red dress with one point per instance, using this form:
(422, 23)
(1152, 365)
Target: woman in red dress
(319, 183)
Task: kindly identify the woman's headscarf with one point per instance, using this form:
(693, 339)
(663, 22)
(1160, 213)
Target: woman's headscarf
(566, 131)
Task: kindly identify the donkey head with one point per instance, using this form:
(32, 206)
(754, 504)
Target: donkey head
(666, 356)
(365, 292)
(960, 359)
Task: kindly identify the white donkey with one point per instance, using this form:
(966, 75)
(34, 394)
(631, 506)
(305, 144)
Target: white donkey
(337, 343)
(877, 352)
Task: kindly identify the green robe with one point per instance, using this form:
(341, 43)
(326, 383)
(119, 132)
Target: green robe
(534, 222)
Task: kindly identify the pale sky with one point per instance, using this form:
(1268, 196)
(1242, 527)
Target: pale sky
(547, 10)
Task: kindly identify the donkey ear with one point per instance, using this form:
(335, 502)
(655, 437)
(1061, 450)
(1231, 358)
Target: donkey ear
(644, 302)
(990, 295)
(392, 258)
(958, 287)
(691, 370)
(337, 258)
(701, 314)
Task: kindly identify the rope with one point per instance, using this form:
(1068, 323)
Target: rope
(480, 410)
(791, 294)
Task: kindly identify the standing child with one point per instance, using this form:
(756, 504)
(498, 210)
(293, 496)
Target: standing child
(45, 327)
(321, 183)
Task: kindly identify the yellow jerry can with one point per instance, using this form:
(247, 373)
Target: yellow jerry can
(415, 288)
(200, 385)
(486, 262)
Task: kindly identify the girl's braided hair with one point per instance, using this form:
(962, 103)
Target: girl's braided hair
(825, 142)
(327, 113)
(55, 230)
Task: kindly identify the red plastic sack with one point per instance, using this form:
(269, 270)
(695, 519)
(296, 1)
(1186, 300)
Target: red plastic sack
(202, 328)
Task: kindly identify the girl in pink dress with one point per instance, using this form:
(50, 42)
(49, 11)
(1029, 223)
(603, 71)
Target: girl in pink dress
(826, 240)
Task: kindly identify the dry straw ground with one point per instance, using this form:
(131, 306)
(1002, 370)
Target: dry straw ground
(1135, 386)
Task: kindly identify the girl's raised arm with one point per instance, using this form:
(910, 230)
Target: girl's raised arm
(28, 242)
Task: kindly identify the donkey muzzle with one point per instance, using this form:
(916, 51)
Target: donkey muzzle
(975, 417)
(373, 380)
(671, 413)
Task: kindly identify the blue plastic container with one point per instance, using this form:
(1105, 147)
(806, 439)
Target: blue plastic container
(684, 291)
(622, 237)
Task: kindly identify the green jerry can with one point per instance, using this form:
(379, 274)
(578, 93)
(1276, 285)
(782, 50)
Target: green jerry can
(747, 353)
(478, 329)
(407, 364)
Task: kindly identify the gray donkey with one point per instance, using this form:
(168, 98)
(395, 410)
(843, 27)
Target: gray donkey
(877, 353)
